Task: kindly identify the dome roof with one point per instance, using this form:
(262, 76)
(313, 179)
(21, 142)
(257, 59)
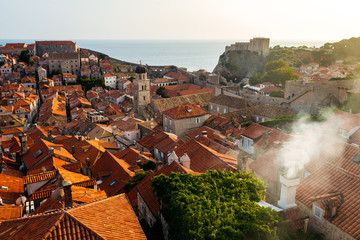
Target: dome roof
(140, 69)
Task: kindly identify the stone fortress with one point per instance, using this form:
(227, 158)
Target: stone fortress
(259, 45)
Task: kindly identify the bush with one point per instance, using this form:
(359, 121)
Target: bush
(278, 94)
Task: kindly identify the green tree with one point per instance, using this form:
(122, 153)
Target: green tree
(214, 205)
(256, 77)
(150, 165)
(24, 56)
(278, 94)
(161, 91)
(135, 180)
(31, 62)
(55, 72)
(272, 65)
(281, 75)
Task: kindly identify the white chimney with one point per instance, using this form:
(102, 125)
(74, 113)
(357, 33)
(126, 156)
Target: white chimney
(288, 192)
(204, 133)
(185, 161)
(172, 157)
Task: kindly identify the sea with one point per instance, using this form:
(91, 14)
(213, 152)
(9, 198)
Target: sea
(190, 54)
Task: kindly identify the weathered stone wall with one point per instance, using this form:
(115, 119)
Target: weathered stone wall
(322, 225)
(40, 49)
(311, 97)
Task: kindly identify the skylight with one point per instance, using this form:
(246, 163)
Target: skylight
(356, 159)
(111, 184)
(38, 153)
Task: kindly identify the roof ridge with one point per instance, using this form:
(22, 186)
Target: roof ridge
(347, 172)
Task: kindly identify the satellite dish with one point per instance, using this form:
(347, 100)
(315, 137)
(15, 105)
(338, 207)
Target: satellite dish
(21, 200)
(57, 194)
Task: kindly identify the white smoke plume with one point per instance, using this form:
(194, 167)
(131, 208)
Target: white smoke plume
(308, 141)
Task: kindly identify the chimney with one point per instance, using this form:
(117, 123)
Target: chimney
(23, 142)
(185, 161)
(265, 137)
(51, 151)
(204, 134)
(88, 171)
(72, 149)
(49, 133)
(67, 194)
(172, 157)
(3, 166)
(288, 192)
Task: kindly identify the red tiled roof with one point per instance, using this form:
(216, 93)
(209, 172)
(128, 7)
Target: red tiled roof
(265, 165)
(39, 177)
(186, 110)
(203, 158)
(330, 179)
(109, 75)
(254, 131)
(343, 120)
(116, 221)
(151, 139)
(270, 89)
(15, 185)
(117, 171)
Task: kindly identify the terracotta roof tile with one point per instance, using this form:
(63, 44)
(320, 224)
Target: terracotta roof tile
(11, 185)
(39, 177)
(203, 158)
(186, 110)
(118, 221)
(151, 139)
(116, 170)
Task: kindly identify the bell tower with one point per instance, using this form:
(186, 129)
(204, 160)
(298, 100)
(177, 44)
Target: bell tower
(141, 88)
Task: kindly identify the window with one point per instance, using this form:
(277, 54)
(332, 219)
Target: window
(218, 109)
(224, 110)
(197, 120)
(317, 211)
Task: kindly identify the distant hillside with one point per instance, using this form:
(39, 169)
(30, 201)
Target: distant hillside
(239, 64)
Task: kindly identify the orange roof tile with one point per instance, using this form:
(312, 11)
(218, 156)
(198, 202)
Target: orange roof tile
(15, 185)
(117, 171)
(203, 158)
(185, 111)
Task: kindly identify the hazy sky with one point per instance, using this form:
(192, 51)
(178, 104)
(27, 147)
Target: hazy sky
(182, 19)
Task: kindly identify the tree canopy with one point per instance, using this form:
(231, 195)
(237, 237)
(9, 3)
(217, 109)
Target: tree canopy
(24, 56)
(214, 205)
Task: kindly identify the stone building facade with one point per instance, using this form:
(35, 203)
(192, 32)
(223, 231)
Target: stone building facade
(42, 47)
(259, 45)
(184, 118)
(67, 62)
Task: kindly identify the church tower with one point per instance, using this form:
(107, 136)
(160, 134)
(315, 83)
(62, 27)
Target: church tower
(141, 88)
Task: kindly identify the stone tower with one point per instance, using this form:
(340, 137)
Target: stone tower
(141, 88)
